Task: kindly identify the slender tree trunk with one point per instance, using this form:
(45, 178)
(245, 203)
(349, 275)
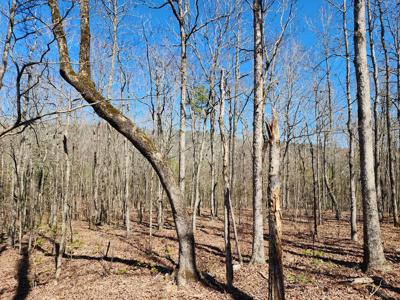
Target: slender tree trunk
(258, 234)
(14, 202)
(60, 248)
(227, 192)
(315, 190)
(375, 72)
(373, 249)
(126, 190)
(197, 168)
(318, 175)
(182, 118)
(327, 184)
(7, 41)
(213, 201)
(235, 115)
(391, 156)
(114, 49)
(352, 190)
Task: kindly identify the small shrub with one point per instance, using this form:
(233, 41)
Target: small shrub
(168, 252)
(311, 252)
(37, 260)
(122, 271)
(298, 278)
(153, 269)
(40, 242)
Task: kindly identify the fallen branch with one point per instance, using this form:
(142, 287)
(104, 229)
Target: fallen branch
(263, 275)
(359, 280)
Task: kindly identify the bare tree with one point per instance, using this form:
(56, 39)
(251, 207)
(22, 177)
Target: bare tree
(377, 158)
(82, 82)
(258, 234)
(373, 249)
(227, 191)
(391, 155)
(350, 130)
(61, 246)
(181, 11)
(7, 40)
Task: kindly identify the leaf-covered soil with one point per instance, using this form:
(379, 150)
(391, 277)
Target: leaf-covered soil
(105, 264)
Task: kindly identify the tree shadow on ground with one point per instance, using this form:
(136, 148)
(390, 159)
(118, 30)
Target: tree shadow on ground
(146, 250)
(214, 250)
(380, 282)
(206, 279)
(347, 264)
(3, 248)
(392, 257)
(375, 291)
(210, 282)
(130, 262)
(306, 270)
(323, 248)
(23, 287)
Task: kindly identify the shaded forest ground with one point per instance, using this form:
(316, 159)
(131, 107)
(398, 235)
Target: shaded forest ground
(319, 269)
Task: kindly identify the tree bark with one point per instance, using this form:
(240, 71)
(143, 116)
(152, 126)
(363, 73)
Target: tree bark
(352, 191)
(213, 200)
(373, 249)
(315, 189)
(276, 290)
(126, 190)
(7, 41)
(258, 226)
(227, 192)
(60, 248)
(375, 72)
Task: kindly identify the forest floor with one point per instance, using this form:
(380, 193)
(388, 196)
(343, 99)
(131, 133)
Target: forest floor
(314, 269)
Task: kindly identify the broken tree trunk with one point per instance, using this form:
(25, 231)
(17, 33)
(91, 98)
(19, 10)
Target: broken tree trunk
(276, 290)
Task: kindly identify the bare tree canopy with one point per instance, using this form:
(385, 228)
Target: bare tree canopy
(199, 149)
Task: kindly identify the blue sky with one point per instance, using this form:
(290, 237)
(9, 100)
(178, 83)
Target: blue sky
(162, 28)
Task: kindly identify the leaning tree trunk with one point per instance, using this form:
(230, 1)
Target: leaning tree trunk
(82, 82)
(276, 289)
(373, 250)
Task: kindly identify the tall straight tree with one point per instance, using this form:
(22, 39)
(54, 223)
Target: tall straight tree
(181, 11)
(374, 257)
(83, 83)
(258, 226)
(227, 191)
(352, 184)
(375, 73)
